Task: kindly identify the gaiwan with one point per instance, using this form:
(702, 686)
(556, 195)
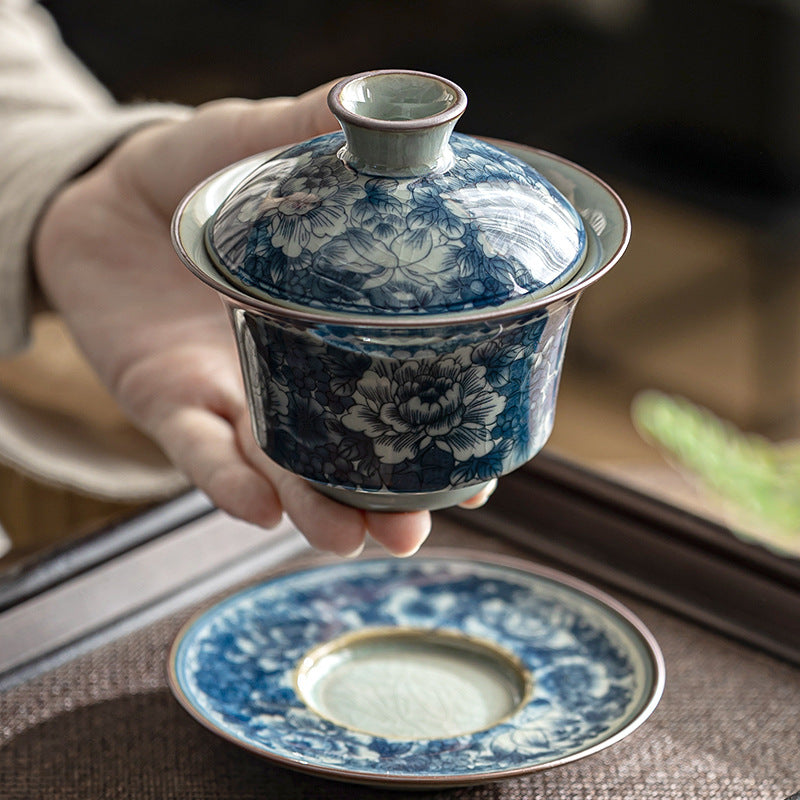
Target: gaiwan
(401, 294)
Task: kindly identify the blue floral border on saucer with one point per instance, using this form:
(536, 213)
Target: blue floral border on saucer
(597, 671)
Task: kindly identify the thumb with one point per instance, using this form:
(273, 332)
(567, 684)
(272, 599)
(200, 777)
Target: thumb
(263, 124)
(163, 162)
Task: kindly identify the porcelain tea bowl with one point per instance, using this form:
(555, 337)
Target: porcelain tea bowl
(400, 294)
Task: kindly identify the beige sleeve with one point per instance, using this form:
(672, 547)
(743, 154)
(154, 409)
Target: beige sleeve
(55, 121)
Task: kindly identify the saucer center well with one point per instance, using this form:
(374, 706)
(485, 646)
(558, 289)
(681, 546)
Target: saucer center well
(413, 684)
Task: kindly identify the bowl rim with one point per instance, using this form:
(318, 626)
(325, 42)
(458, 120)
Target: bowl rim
(211, 275)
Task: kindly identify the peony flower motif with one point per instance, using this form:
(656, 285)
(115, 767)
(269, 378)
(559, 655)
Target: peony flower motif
(545, 623)
(407, 406)
(530, 741)
(396, 273)
(574, 680)
(309, 208)
(307, 229)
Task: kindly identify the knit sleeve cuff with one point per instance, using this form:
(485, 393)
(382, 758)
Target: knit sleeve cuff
(42, 152)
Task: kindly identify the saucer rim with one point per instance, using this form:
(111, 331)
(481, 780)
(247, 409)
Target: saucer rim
(651, 654)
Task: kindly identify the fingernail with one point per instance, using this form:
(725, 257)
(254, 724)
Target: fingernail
(355, 553)
(408, 553)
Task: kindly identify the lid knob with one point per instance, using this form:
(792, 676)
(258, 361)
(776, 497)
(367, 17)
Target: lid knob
(397, 122)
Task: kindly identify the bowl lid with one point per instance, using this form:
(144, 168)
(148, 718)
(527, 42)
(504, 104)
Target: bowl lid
(396, 214)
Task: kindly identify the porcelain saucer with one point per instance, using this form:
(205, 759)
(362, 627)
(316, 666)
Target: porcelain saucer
(450, 668)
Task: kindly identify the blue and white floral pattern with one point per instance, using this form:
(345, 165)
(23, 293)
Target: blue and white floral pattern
(393, 416)
(596, 674)
(406, 407)
(308, 230)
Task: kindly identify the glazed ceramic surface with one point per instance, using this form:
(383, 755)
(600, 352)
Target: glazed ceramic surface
(444, 669)
(399, 349)
(309, 230)
(440, 412)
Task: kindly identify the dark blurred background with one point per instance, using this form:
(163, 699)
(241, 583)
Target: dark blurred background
(689, 108)
(697, 96)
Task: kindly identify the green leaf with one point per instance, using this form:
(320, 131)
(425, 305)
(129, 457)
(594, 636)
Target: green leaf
(758, 481)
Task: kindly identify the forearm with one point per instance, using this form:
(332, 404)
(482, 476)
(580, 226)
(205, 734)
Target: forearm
(55, 121)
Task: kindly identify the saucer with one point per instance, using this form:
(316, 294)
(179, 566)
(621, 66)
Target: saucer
(447, 669)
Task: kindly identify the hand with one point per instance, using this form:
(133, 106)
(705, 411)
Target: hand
(160, 339)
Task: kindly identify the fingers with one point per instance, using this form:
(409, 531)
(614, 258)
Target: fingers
(162, 162)
(205, 447)
(280, 121)
(228, 465)
(326, 524)
(329, 525)
(481, 497)
(401, 534)
(237, 476)
(340, 529)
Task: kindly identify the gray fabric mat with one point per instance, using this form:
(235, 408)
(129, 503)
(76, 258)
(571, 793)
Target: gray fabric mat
(104, 726)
